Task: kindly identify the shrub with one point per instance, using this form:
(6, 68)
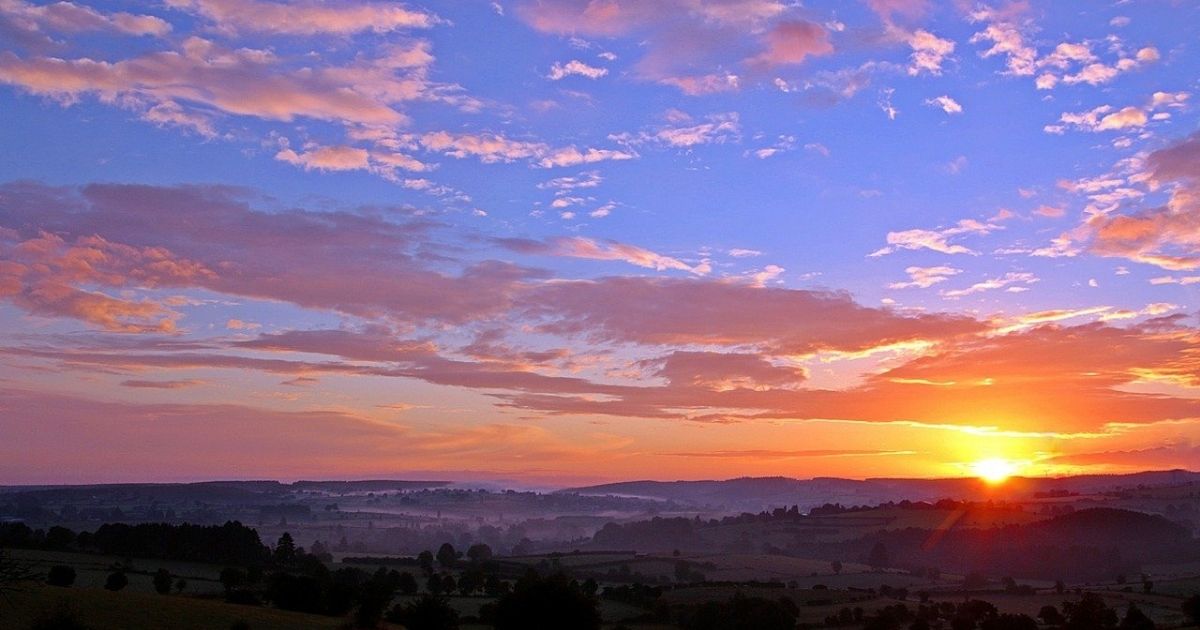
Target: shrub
(60, 575)
(116, 581)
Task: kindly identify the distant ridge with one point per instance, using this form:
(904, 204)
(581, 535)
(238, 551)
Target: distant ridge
(755, 493)
(231, 491)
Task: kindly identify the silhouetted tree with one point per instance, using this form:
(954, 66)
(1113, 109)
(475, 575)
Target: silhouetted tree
(229, 544)
(836, 565)
(538, 603)
(59, 538)
(60, 575)
(1135, 619)
(429, 612)
(434, 584)
(374, 598)
(162, 581)
(180, 585)
(425, 559)
(116, 581)
(285, 550)
(743, 613)
(446, 555)
(1089, 613)
(479, 552)
(1050, 616)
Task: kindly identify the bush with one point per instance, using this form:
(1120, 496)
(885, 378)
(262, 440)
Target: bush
(116, 581)
(743, 613)
(162, 581)
(60, 575)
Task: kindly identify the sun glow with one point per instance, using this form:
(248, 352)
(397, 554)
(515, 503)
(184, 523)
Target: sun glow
(994, 470)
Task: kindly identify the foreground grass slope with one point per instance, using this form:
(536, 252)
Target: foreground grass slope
(105, 610)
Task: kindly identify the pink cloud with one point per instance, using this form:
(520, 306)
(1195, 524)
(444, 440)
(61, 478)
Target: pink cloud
(1167, 236)
(68, 17)
(794, 41)
(781, 321)
(908, 9)
(360, 263)
(580, 247)
(306, 17)
(66, 439)
(242, 82)
(725, 371)
(328, 158)
(48, 276)
(695, 46)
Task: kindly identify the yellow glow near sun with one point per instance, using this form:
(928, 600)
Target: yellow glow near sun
(994, 470)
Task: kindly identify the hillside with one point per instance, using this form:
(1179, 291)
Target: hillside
(758, 493)
(105, 610)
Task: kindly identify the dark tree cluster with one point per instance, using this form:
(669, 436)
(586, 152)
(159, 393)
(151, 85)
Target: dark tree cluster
(429, 612)
(741, 613)
(1091, 544)
(1088, 613)
(335, 593)
(231, 543)
(544, 603)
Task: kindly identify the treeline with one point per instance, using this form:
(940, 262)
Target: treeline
(1089, 613)
(1094, 544)
(655, 534)
(830, 509)
(231, 543)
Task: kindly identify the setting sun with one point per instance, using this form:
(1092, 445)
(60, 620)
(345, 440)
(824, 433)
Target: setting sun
(994, 470)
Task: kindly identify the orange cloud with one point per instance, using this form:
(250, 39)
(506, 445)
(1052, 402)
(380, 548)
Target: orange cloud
(45, 275)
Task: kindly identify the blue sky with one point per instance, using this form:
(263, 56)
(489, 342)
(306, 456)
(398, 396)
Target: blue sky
(971, 175)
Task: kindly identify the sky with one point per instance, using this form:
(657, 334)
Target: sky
(572, 241)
